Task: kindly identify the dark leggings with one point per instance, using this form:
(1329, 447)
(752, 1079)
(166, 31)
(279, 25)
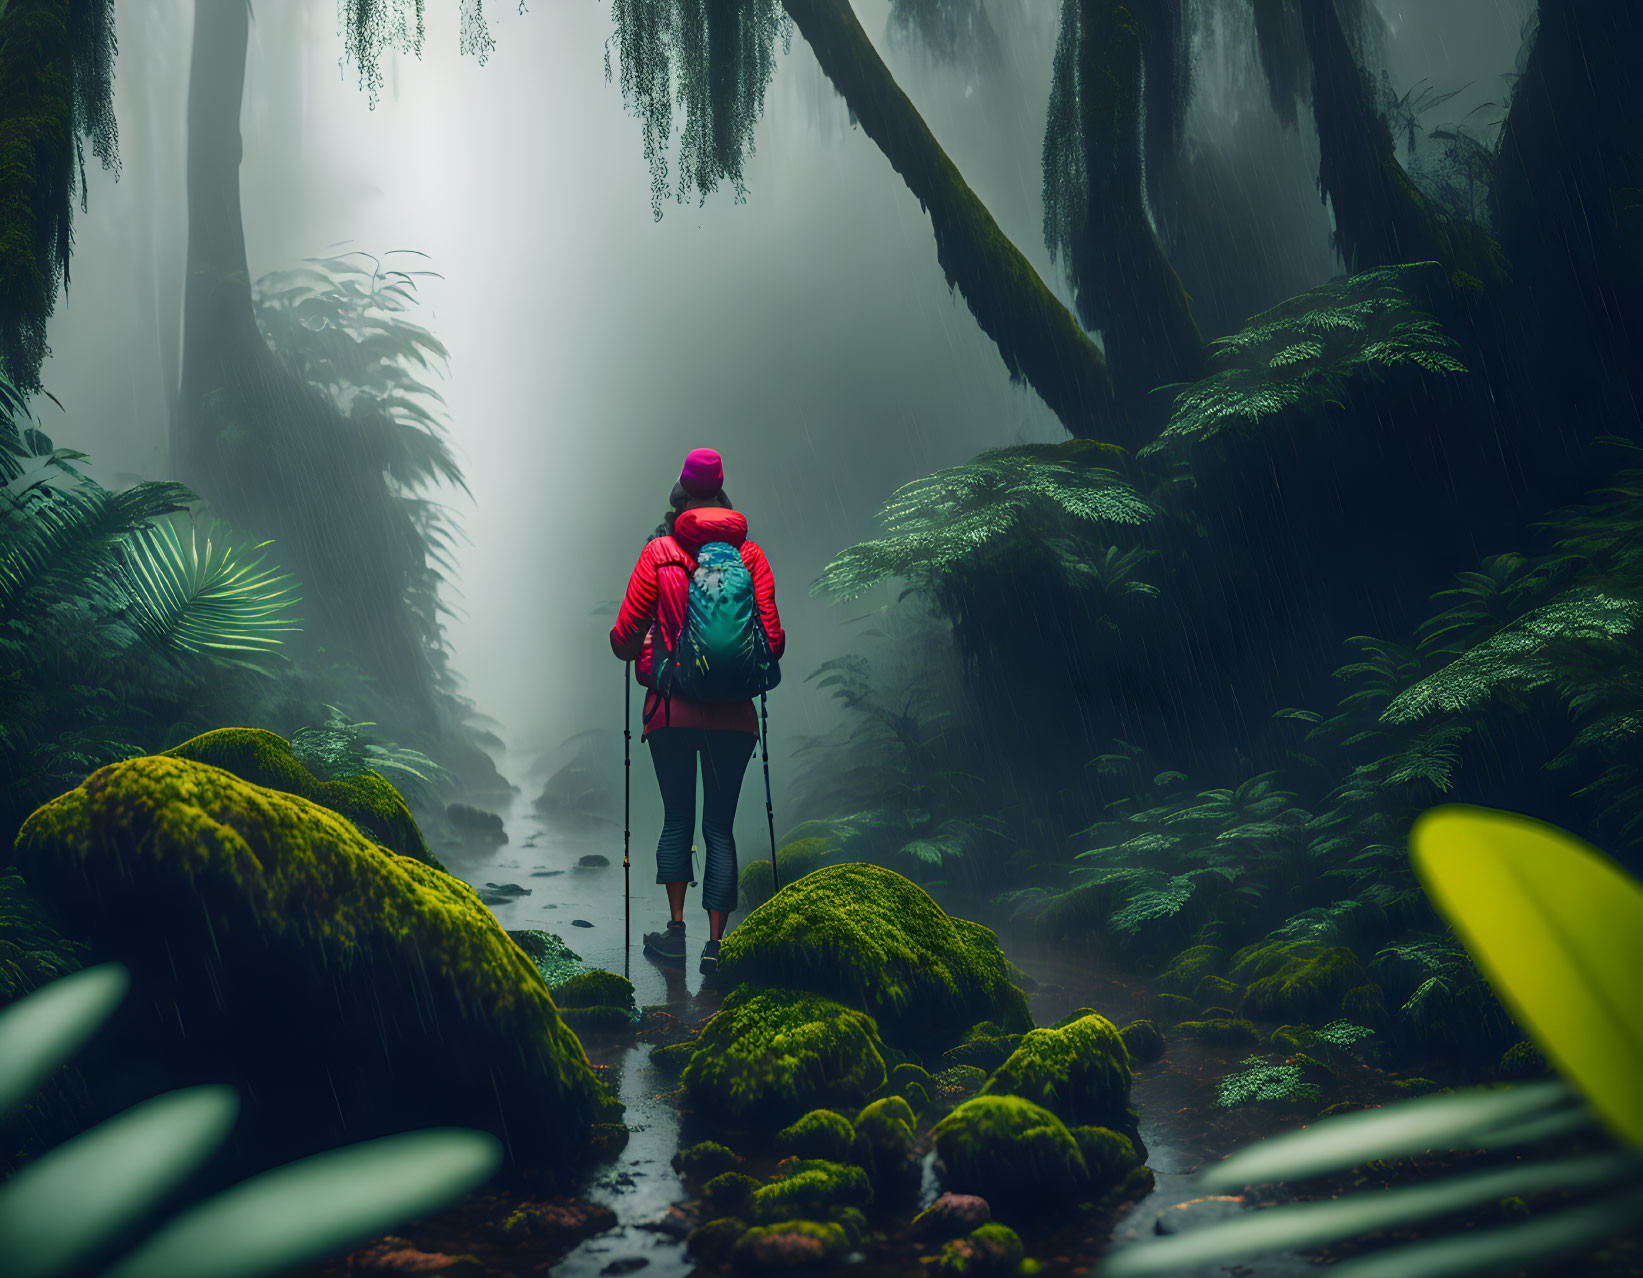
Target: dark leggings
(724, 761)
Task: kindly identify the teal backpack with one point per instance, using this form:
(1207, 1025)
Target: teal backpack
(722, 652)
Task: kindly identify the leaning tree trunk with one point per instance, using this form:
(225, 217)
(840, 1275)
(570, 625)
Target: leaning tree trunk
(269, 451)
(1038, 337)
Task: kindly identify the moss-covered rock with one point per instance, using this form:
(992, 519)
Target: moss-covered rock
(1080, 1073)
(322, 971)
(704, 1160)
(984, 1053)
(673, 1058)
(1188, 968)
(712, 1241)
(809, 1187)
(1522, 1060)
(992, 1250)
(1143, 1040)
(264, 758)
(1109, 1155)
(596, 1001)
(730, 1192)
(958, 1082)
(794, 860)
(1006, 1149)
(884, 1141)
(1297, 980)
(789, 1244)
(1221, 1031)
(874, 940)
(819, 1134)
(770, 1055)
(554, 961)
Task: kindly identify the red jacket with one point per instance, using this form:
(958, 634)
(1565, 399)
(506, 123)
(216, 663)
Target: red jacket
(658, 598)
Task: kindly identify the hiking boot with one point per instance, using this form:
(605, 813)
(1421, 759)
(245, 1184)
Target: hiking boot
(710, 958)
(667, 944)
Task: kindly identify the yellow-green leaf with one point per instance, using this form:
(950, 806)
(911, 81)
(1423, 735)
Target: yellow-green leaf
(1557, 927)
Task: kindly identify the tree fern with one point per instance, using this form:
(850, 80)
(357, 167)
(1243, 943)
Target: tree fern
(940, 525)
(1321, 347)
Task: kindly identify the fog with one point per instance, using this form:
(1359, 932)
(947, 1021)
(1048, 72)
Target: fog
(808, 334)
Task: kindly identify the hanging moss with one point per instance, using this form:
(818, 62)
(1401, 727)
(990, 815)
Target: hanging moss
(875, 940)
(264, 758)
(56, 94)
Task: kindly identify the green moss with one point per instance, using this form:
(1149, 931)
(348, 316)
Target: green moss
(819, 1134)
(884, 1141)
(809, 1187)
(704, 1160)
(1143, 1040)
(990, 1249)
(1290, 1039)
(598, 1020)
(1221, 1031)
(1217, 1014)
(310, 960)
(1080, 1073)
(907, 1072)
(673, 1058)
(964, 1079)
(730, 1192)
(1522, 1060)
(1415, 1086)
(264, 758)
(874, 940)
(1109, 1155)
(1007, 1149)
(1295, 980)
(984, 1053)
(712, 1242)
(593, 989)
(770, 1055)
(555, 961)
(1312, 1069)
(1365, 1004)
(793, 861)
(1216, 989)
(917, 1096)
(1191, 966)
(1176, 1005)
(792, 1244)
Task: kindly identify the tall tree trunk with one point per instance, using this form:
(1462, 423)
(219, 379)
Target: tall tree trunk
(1380, 217)
(1038, 337)
(268, 450)
(1127, 287)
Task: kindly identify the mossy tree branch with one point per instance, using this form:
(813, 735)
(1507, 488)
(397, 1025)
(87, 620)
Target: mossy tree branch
(1038, 337)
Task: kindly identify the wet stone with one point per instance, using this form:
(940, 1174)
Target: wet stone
(580, 923)
(594, 861)
(951, 1216)
(392, 1255)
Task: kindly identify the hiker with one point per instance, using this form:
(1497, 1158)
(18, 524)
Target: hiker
(700, 624)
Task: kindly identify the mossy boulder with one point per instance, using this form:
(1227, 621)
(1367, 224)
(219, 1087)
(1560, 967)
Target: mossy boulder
(958, 1082)
(1143, 1040)
(1080, 1072)
(984, 1053)
(1109, 1155)
(874, 940)
(884, 1139)
(712, 1241)
(819, 1134)
(1222, 1031)
(1009, 1150)
(1297, 980)
(730, 1192)
(1189, 968)
(991, 1251)
(596, 1000)
(704, 1160)
(794, 860)
(789, 1244)
(347, 989)
(770, 1055)
(809, 1188)
(264, 758)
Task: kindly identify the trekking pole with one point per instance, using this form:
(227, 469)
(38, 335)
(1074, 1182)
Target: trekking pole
(769, 811)
(627, 810)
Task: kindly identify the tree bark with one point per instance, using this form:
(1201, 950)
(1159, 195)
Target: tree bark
(1380, 217)
(1038, 337)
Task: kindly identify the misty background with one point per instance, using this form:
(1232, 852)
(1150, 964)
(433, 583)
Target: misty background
(807, 334)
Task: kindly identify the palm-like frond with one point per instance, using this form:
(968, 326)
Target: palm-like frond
(204, 592)
(1318, 348)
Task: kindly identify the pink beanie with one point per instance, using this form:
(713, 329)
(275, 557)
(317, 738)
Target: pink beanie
(703, 474)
